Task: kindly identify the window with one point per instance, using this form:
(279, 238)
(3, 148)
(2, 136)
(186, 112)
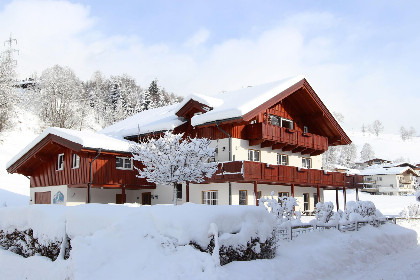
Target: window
(243, 197)
(124, 163)
(281, 195)
(258, 194)
(210, 197)
(179, 191)
(253, 155)
(279, 121)
(315, 198)
(306, 202)
(306, 162)
(305, 129)
(75, 162)
(60, 162)
(282, 159)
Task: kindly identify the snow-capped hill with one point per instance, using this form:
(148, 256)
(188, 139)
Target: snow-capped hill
(389, 146)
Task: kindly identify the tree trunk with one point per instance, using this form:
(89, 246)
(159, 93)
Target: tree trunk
(175, 199)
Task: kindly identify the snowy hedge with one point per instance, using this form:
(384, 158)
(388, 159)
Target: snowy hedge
(243, 232)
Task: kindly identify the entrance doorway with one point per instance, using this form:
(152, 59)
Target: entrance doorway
(146, 198)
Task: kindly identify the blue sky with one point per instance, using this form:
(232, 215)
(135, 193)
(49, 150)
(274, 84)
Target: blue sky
(361, 57)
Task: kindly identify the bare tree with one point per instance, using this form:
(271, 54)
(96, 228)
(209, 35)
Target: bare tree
(7, 83)
(367, 152)
(62, 102)
(376, 128)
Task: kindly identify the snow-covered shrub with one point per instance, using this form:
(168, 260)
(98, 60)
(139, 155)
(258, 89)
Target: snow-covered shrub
(25, 244)
(324, 214)
(282, 209)
(417, 196)
(361, 211)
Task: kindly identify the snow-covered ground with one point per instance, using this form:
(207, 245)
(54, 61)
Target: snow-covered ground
(119, 242)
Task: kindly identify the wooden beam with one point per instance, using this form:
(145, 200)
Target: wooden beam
(256, 192)
(278, 146)
(123, 197)
(357, 194)
(255, 142)
(266, 144)
(336, 198)
(292, 190)
(345, 197)
(318, 193)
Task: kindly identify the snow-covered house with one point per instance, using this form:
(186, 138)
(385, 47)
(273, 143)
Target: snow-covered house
(268, 138)
(389, 180)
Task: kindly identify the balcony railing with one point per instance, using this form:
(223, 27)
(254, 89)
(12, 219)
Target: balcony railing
(248, 171)
(286, 139)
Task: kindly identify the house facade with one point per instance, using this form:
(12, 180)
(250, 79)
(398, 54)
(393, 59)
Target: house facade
(269, 141)
(390, 180)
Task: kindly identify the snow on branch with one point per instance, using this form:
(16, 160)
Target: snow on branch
(170, 159)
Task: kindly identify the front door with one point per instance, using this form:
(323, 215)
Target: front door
(146, 198)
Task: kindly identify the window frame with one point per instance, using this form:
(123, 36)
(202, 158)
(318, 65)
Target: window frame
(60, 163)
(280, 159)
(179, 191)
(305, 163)
(279, 121)
(208, 200)
(246, 197)
(124, 163)
(73, 161)
(254, 152)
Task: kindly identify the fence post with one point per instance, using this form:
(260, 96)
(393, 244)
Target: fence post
(357, 226)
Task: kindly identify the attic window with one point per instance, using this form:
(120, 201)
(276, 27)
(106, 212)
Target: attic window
(75, 161)
(282, 122)
(305, 129)
(198, 113)
(60, 162)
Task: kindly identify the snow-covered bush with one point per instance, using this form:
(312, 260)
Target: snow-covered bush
(170, 160)
(282, 208)
(361, 211)
(413, 210)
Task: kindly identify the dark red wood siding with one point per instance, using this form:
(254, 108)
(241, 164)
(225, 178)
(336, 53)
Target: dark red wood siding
(104, 172)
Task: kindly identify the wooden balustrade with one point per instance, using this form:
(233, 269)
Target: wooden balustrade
(286, 139)
(248, 171)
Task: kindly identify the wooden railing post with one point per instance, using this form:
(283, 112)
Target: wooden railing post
(336, 198)
(345, 197)
(256, 192)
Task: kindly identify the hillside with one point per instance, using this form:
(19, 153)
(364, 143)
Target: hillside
(388, 146)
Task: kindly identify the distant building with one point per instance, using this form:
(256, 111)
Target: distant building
(389, 180)
(375, 161)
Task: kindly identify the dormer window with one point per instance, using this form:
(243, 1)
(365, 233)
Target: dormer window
(60, 162)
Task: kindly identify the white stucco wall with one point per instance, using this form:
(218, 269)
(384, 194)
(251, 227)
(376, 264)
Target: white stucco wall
(240, 149)
(52, 189)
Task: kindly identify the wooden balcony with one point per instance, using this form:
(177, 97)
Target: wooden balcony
(286, 139)
(248, 171)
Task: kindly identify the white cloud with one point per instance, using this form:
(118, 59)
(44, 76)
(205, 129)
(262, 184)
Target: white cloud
(51, 32)
(200, 37)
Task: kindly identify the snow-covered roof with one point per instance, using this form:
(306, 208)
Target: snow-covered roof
(87, 139)
(236, 103)
(384, 171)
(158, 119)
(226, 105)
